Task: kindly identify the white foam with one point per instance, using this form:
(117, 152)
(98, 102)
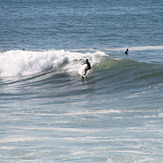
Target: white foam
(160, 115)
(57, 129)
(17, 138)
(136, 94)
(77, 113)
(94, 112)
(20, 63)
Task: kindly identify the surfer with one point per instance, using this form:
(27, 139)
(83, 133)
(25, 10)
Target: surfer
(88, 67)
(126, 52)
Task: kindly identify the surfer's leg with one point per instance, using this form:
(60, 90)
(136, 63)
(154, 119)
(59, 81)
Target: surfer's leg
(85, 71)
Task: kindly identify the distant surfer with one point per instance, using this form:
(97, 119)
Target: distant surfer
(126, 52)
(88, 67)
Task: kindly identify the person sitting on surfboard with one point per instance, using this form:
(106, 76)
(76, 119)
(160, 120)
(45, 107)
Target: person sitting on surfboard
(88, 67)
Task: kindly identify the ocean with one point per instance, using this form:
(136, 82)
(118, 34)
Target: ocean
(49, 113)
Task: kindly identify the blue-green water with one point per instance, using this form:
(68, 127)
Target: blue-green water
(49, 114)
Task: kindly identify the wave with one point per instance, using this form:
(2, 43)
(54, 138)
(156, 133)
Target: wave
(58, 63)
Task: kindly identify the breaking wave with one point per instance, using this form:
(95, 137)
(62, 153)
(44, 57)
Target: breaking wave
(120, 73)
(21, 63)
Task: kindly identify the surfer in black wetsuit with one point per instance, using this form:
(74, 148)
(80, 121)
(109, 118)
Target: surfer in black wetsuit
(126, 52)
(88, 67)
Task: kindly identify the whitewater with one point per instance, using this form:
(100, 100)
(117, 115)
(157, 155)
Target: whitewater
(21, 63)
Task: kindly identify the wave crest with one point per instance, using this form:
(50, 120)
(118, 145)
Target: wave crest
(21, 63)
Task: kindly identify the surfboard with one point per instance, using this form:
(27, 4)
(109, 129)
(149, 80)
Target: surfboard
(84, 76)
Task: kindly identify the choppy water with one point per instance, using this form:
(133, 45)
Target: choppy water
(48, 113)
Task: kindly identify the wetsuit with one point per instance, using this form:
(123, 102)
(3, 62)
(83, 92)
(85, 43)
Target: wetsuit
(88, 65)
